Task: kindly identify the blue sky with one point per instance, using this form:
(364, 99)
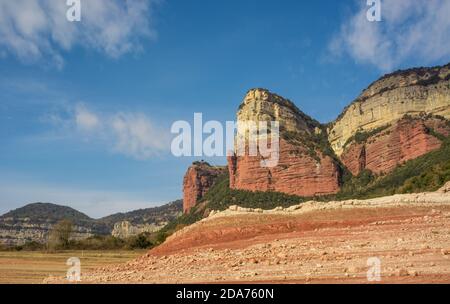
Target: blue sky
(86, 108)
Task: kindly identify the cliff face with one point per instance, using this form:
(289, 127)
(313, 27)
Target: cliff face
(21, 231)
(297, 172)
(303, 167)
(126, 229)
(197, 181)
(383, 150)
(412, 92)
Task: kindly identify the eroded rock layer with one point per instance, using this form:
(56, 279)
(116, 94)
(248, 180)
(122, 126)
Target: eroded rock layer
(297, 172)
(382, 151)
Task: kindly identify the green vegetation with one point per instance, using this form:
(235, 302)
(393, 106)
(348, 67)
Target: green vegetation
(313, 142)
(426, 173)
(59, 237)
(96, 242)
(362, 136)
(220, 197)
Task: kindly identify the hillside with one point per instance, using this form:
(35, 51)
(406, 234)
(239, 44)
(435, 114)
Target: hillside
(124, 225)
(46, 213)
(34, 221)
(141, 216)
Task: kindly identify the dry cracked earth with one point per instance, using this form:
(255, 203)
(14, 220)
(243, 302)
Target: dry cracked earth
(310, 243)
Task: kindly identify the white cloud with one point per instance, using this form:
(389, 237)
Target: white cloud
(409, 29)
(38, 29)
(85, 119)
(136, 136)
(131, 134)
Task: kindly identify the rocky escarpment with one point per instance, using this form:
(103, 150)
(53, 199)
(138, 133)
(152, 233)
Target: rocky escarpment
(21, 232)
(412, 92)
(126, 229)
(304, 167)
(144, 220)
(383, 149)
(199, 178)
(132, 223)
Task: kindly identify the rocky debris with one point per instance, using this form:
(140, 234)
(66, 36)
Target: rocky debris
(425, 199)
(445, 188)
(414, 91)
(197, 181)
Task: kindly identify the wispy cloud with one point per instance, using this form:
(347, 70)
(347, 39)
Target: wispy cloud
(84, 119)
(38, 29)
(136, 136)
(409, 29)
(132, 134)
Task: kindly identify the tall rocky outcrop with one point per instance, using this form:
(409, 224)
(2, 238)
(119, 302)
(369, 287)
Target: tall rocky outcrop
(197, 181)
(399, 117)
(413, 92)
(304, 167)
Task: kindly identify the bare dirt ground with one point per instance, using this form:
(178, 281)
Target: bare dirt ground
(311, 243)
(27, 267)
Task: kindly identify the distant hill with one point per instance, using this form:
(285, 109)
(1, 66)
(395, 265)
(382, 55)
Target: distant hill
(142, 216)
(47, 213)
(34, 221)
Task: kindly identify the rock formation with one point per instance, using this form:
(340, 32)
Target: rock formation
(126, 229)
(399, 117)
(412, 92)
(197, 181)
(386, 148)
(18, 232)
(304, 167)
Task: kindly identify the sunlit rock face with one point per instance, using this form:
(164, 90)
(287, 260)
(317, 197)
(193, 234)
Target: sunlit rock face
(412, 92)
(302, 169)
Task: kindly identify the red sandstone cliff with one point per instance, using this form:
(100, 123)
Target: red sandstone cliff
(197, 181)
(297, 173)
(303, 168)
(406, 139)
